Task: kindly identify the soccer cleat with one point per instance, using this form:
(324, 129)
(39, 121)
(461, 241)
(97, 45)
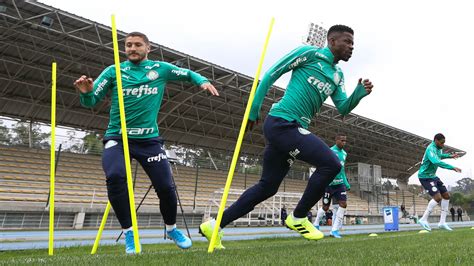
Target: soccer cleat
(304, 227)
(425, 225)
(316, 226)
(335, 234)
(206, 229)
(445, 227)
(129, 243)
(180, 239)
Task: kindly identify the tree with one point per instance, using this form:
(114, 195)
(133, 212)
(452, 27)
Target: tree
(74, 144)
(186, 155)
(221, 158)
(458, 199)
(5, 136)
(22, 135)
(92, 143)
(387, 185)
(465, 185)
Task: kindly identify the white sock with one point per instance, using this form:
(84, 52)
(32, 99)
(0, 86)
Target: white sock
(429, 209)
(319, 216)
(127, 229)
(213, 224)
(444, 210)
(339, 217)
(335, 207)
(170, 227)
(342, 219)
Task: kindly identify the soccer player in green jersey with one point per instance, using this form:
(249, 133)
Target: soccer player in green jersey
(315, 77)
(427, 174)
(337, 189)
(144, 83)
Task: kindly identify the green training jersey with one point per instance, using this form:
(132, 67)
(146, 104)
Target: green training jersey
(143, 86)
(431, 161)
(341, 177)
(314, 78)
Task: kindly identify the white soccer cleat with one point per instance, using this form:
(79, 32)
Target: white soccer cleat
(444, 227)
(425, 225)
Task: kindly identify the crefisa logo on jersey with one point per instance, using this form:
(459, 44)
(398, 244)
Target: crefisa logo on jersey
(179, 72)
(142, 90)
(152, 75)
(298, 61)
(323, 87)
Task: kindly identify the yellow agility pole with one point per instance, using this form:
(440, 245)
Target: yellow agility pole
(101, 228)
(126, 153)
(52, 162)
(239, 143)
(128, 168)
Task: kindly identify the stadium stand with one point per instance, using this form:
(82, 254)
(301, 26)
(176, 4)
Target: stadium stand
(24, 179)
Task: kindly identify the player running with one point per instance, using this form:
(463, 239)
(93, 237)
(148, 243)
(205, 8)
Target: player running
(337, 189)
(144, 82)
(315, 77)
(428, 179)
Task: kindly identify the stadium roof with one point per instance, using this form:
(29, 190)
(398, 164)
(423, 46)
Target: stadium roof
(33, 35)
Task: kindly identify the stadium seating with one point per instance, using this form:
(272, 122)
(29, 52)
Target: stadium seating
(80, 182)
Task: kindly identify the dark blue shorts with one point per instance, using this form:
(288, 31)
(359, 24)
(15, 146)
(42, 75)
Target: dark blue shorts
(339, 192)
(151, 156)
(433, 185)
(148, 152)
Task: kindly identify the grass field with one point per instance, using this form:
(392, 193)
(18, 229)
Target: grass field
(400, 248)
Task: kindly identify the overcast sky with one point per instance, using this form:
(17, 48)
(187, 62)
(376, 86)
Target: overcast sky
(417, 53)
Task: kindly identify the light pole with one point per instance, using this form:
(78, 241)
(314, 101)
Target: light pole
(316, 35)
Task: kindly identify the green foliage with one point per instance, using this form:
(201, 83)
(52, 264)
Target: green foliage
(458, 199)
(5, 135)
(74, 144)
(21, 135)
(465, 185)
(188, 156)
(92, 143)
(387, 186)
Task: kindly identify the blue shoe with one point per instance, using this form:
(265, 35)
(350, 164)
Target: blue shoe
(181, 240)
(445, 227)
(425, 225)
(129, 243)
(317, 227)
(335, 234)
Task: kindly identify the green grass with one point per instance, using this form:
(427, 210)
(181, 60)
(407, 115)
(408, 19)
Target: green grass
(404, 248)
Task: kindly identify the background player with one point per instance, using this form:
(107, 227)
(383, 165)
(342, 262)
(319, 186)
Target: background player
(428, 179)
